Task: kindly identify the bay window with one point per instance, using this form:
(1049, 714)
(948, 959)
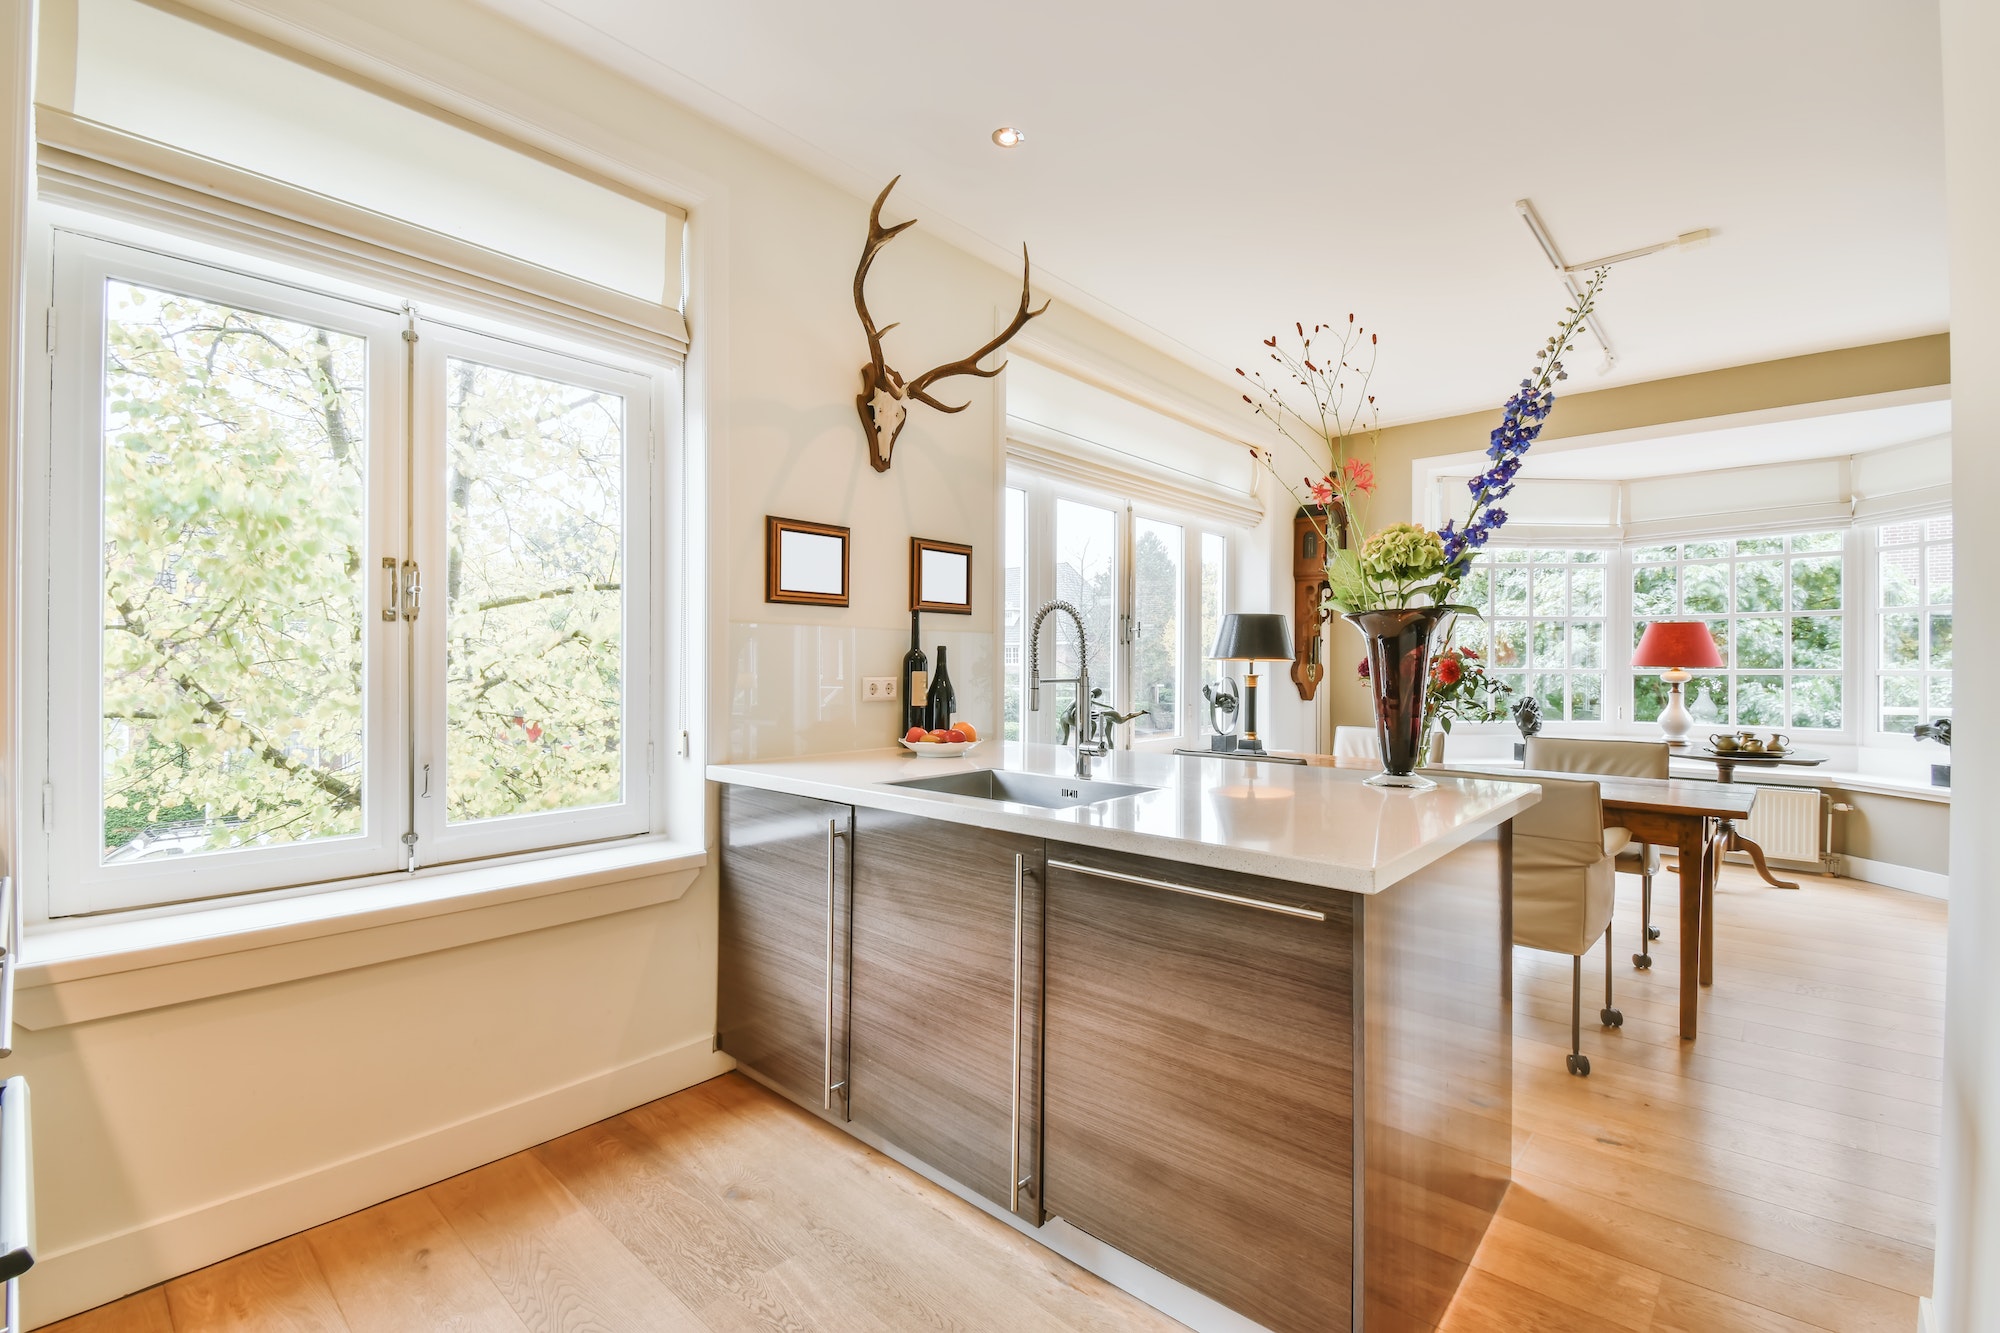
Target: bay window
(1841, 638)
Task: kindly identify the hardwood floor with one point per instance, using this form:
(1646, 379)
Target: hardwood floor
(1779, 1173)
(1776, 1175)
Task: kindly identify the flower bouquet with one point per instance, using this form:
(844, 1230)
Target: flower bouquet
(1460, 690)
(1394, 583)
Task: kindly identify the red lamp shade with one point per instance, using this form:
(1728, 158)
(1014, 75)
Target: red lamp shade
(1676, 643)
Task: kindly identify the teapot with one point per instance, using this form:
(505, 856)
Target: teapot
(1722, 742)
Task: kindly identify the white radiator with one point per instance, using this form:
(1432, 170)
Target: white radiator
(1789, 823)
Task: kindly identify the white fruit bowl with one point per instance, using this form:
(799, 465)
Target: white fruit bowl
(938, 749)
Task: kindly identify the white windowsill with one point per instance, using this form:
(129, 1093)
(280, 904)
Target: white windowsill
(74, 971)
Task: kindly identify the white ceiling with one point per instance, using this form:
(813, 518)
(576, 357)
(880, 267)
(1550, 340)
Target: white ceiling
(1205, 174)
(1835, 436)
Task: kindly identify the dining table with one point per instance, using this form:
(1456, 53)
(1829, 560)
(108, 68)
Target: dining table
(1694, 817)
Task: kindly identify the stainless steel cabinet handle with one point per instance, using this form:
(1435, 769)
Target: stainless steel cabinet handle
(1262, 905)
(1014, 1115)
(17, 1189)
(833, 835)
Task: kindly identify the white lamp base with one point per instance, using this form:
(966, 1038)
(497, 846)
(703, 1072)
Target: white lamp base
(1675, 718)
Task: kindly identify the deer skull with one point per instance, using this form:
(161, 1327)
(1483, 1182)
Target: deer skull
(885, 397)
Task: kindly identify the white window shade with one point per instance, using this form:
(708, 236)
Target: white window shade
(147, 114)
(1066, 428)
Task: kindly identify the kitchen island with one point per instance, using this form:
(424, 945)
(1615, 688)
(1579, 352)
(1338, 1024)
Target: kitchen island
(1236, 1035)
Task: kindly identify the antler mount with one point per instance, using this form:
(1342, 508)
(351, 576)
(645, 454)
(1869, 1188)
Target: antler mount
(885, 397)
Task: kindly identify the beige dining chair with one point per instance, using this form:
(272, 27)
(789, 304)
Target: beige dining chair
(1355, 743)
(1563, 889)
(1619, 759)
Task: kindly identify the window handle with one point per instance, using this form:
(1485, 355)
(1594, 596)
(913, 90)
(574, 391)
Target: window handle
(413, 589)
(392, 603)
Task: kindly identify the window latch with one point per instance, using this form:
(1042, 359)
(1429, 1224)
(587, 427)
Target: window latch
(413, 590)
(392, 605)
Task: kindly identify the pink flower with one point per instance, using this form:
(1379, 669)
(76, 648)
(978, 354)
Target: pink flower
(1360, 476)
(1361, 669)
(1449, 670)
(1321, 491)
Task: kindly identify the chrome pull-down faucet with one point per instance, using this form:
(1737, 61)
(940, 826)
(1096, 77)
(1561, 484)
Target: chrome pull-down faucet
(1086, 749)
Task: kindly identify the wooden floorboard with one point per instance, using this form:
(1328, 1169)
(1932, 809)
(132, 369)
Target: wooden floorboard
(1776, 1176)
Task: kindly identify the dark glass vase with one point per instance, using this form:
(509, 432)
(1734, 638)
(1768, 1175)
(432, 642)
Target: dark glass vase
(1399, 668)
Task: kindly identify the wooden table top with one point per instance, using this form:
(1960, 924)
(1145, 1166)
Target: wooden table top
(1669, 796)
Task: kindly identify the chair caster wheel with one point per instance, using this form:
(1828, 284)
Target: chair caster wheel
(1652, 932)
(1642, 960)
(1611, 1018)
(1580, 1065)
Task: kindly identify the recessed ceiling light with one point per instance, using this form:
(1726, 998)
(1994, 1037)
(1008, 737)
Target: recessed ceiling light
(1008, 137)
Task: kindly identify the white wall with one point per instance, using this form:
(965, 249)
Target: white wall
(172, 1137)
(1968, 1238)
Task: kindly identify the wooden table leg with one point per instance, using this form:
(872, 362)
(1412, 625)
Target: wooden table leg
(1693, 847)
(1739, 843)
(1713, 845)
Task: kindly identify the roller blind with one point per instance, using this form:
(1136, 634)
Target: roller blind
(146, 114)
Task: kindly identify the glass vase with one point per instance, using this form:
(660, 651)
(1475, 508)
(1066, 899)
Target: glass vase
(1399, 668)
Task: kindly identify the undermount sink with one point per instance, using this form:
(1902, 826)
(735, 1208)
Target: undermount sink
(1050, 793)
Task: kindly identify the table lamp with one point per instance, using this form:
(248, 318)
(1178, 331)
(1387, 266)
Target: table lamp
(1252, 637)
(1676, 645)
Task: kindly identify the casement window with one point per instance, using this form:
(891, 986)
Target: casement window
(352, 557)
(336, 587)
(1543, 626)
(1913, 623)
(1150, 584)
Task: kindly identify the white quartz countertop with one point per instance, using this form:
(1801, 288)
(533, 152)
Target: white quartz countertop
(1321, 826)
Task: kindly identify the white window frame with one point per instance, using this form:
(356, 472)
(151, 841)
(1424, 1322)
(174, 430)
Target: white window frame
(1483, 636)
(1112, 664)
(1849, 726)
(1875, 670)
(1860, 629)
(62, 799)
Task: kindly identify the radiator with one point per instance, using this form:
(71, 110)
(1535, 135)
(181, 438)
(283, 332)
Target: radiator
(1789, 823)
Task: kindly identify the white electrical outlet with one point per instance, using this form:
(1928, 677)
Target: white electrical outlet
(878, 689)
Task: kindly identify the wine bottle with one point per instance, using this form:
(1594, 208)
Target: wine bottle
(943, 701)
(916, 683)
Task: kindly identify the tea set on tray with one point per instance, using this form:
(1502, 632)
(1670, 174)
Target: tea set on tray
(1751, 744)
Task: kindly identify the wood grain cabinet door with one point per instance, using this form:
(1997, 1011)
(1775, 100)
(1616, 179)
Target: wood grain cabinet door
(783, 922)
(944, 1042)
(1198, 1082)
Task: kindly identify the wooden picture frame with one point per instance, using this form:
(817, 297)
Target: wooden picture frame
(940, 576)
(800, 561)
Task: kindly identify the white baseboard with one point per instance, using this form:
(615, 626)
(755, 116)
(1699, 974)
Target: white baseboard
(1926, 1320)
(100, 1270)
(1890, 875)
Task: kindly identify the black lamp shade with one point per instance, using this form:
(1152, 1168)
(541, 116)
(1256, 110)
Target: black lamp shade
(1253, 637)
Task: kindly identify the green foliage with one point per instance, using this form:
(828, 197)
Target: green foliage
(534, 705)
(1156, 584)
(235, 456)
(232, 512)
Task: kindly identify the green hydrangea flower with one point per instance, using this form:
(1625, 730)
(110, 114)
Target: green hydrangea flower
(1402, 554)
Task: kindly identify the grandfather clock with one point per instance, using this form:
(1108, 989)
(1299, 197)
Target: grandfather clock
(1309, 590)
